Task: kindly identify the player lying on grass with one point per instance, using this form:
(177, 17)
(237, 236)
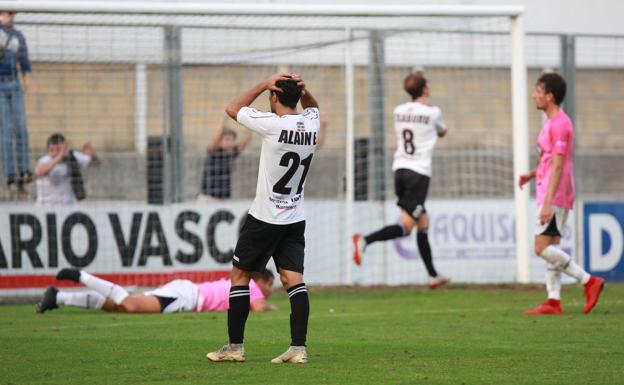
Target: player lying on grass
(176, 296)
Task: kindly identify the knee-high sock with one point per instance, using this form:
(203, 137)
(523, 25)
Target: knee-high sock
(87, 300)
(108, 289)
(299, 313)
(238, 313)
(553, 282)
(386, 233)
(422, 239)
(564, 262)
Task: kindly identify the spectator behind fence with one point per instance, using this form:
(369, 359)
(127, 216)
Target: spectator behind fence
(59, 173)
(13, 131)
(219, 162)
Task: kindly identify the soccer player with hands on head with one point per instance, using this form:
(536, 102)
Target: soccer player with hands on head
(555, 196)
(275, 225)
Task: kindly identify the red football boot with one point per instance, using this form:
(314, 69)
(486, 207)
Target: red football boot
(593, 288)
(359, 244)
(551, 306)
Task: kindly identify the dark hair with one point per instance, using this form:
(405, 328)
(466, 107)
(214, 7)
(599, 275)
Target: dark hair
(266, 275)
(229, 131)
(414, 84)
(56, 138)
(554, 84)
(291, 92)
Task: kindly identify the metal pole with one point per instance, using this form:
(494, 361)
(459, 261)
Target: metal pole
(376, 97)
(173, 59)
(349, 152)
(520, 147)
(267, 9)
(568, 70)
(140, 114)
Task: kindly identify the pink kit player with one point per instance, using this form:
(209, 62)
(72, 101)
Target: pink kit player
(179, 295)
(555, 196)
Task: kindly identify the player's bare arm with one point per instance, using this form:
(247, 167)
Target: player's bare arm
(555, 177)
(526, 178)
(246, 98)
(261, 305)
(307, 100)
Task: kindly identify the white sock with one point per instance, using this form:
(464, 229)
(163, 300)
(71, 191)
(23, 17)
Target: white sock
(553, 282)
(559, 258)
(87, 300)
(574, 270)
(108, 289)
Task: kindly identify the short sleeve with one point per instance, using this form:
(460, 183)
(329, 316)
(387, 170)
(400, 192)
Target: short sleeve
(82, 158)
(261, 122)
(561, 137)
(439, 123)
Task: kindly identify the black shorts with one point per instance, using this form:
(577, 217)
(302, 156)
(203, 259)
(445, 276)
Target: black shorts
(411, 190)
(259, 241)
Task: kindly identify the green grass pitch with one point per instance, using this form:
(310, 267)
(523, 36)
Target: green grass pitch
(463, 335)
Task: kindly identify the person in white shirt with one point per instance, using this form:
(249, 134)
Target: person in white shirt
(54, 184)
(418, 125)
(275, 225)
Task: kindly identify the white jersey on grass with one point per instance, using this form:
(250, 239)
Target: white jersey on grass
(288, 144)
(417, 127)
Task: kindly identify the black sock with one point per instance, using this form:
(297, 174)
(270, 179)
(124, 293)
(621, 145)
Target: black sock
(422, 239)
(237, 313)
(388, 232)
(299, 312)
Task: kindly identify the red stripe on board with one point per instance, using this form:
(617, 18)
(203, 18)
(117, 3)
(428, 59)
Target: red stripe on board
(122, 279)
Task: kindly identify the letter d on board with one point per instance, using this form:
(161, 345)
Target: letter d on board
(607, 260)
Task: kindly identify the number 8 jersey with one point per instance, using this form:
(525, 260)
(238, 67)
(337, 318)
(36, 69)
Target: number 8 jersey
(288, 144)
(417, 127)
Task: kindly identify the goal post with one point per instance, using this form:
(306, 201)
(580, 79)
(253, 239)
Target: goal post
(221, 48)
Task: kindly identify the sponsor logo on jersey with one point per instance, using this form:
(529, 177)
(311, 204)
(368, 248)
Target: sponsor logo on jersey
(300, 126)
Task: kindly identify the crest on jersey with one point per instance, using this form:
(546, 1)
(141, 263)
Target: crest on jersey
(300, 127)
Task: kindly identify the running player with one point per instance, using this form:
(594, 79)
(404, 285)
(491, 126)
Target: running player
(418, 125)
(180, 295)
(555, 196)
(276, 222)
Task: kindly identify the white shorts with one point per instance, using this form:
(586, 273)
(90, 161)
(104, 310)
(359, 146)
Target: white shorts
(183, 292)
(554, 228)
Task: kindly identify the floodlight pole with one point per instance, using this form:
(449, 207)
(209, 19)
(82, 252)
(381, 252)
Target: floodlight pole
(520, 148)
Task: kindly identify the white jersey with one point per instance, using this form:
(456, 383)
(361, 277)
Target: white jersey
(55, 187)
(288, 144)
(417, 127)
